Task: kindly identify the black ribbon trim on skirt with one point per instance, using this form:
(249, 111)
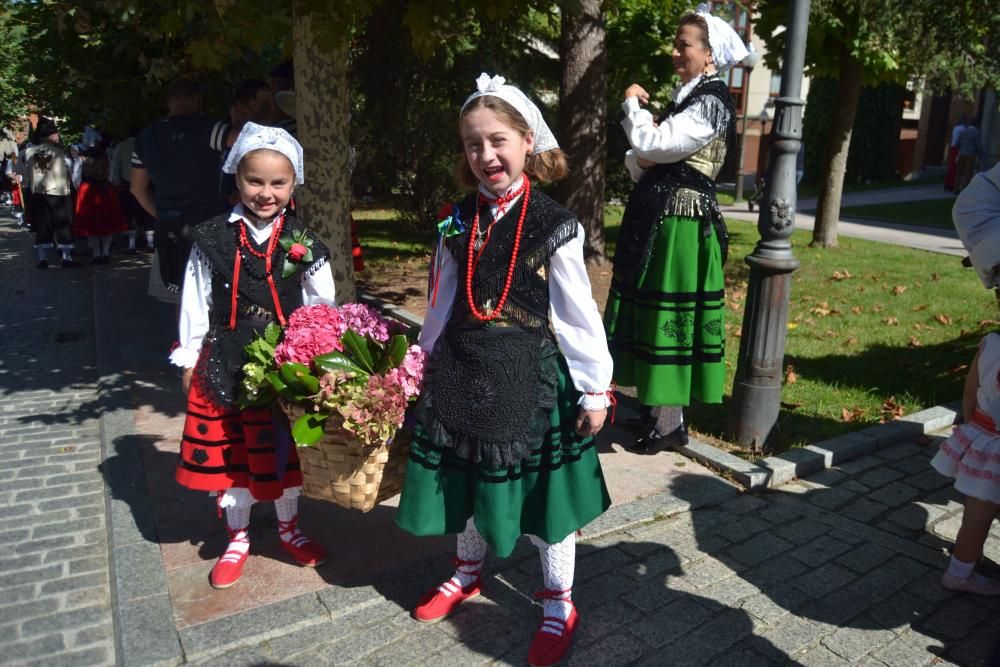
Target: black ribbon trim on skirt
(212, 443)
(234, 467)
(495, 476)
(631, 293)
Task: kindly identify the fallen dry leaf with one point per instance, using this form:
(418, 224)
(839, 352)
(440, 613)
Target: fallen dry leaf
(899, 289)
(790, 376)
(935, 277)
(850, 341)
(988, 323)
(915, 342)
(857, 310)
(959, 369)
(838, 275)
(820, 312)
(791, 406)
(943, 319)
(923, 306)
(878, 308)
(891, 321)
(738, 333)
(852, 415)
(829, 334)
(792, 326)
(891, 409)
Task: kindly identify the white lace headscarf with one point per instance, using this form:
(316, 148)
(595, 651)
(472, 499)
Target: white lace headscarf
(727, 46)
(254, 137)
(497, 87)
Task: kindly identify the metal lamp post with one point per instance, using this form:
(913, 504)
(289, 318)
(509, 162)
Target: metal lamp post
(748, 64)
(753, 411)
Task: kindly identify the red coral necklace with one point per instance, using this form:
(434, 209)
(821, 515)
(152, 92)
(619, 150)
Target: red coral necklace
(244, 243)
(473, 257)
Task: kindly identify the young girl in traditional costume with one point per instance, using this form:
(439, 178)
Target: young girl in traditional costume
(233, 288)
(519, 370)
(665, 306)
(98, 214)
(971, 455)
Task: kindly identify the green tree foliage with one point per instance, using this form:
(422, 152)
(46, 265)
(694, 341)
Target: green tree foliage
(875, 135)
(406, 105)
(944, 44)
(640, 35)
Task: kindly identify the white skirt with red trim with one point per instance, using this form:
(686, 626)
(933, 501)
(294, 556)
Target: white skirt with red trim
(971, 455)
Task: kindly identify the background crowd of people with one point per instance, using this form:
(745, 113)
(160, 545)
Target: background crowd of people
(137, 192)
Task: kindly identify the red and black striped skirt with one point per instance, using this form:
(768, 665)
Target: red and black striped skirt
(224, 448)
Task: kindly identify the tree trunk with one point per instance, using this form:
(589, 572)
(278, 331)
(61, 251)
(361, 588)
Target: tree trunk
(321, 100)
(582, 116)
(838, 147)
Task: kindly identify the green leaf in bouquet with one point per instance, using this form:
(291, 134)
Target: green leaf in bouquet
(288, 268)
(272, 332)
(356, 347)
(308, 429)
(308, 257)
(274, 377)
(398, 345)
(413, 334)
(298, 377)
(338, 361)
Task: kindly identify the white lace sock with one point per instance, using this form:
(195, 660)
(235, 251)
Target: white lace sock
(43, 252)
(558, 566)
(95, 245)
(668, 418)
(67, 252)
(287, 509)
(237, 503)
(105, 245)
(131, 239)
(149, 238)
(469, 558)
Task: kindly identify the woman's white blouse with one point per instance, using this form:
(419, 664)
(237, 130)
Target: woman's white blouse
(674, 139)
(196, 297)
(572, 311)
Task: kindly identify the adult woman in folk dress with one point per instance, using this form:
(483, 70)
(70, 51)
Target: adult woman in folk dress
(664, 316)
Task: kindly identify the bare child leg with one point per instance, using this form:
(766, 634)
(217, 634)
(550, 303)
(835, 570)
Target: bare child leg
(977, 517)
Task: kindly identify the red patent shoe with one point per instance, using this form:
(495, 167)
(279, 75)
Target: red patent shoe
(229, 568)
(442, 602)
(305, 552)
(553, 639)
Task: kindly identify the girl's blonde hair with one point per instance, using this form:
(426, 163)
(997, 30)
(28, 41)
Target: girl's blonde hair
(548, 166)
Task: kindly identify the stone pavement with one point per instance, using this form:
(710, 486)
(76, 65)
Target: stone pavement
(839, 568)
(55, 603)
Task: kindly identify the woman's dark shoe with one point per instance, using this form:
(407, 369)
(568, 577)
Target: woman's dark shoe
(652, 441)
(70, 264)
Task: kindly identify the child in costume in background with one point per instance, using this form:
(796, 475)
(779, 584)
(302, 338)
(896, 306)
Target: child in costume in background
(971, 455)
(98, 214)
(232, 289)
(519, 371)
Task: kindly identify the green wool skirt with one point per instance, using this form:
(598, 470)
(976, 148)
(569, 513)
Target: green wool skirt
(557, 490)
(666, 332)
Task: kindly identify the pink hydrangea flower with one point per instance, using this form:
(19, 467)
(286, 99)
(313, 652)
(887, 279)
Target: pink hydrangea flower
(365, 321)
(311, 330)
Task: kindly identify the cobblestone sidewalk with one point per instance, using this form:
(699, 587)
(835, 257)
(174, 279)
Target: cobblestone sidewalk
(55, 605)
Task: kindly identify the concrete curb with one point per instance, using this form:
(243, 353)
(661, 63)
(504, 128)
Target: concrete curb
(773, 471)
(143, 614)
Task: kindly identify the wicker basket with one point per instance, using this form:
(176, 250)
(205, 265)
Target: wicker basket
(345, 471)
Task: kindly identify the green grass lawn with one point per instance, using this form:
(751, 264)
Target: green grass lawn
(932, 212)
(808, 191)
(874, 330)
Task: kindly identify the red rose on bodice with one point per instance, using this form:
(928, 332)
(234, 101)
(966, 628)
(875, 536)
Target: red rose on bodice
(297, 252)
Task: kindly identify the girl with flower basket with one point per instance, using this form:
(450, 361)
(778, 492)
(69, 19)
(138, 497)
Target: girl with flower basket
(518, 374)
(247, 270)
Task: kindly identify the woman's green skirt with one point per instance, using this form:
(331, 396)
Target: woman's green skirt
(666, 333)
(557, 490)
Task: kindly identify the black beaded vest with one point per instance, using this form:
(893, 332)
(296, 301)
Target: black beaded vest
(217, 241)
(491, 387)
(547, 227)
(677, 188)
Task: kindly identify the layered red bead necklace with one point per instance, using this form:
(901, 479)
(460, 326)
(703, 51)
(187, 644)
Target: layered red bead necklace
(473, 256)
(267, 255)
